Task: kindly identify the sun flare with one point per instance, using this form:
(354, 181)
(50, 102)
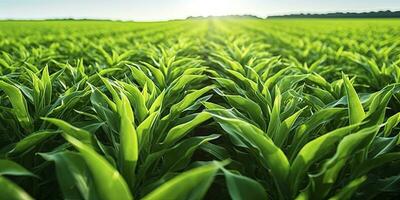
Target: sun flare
(212, 7)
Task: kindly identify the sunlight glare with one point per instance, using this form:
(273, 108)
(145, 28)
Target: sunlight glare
(212, 7)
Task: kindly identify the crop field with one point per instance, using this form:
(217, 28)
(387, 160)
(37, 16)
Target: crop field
(220, 108)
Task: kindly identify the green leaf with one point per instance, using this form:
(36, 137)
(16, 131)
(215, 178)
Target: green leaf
(191, 184)
(271, 80)
(179, 155)
(248, 106)
(47, 84)
(322, 182)
(142, 79)
(144, 130)
(181, 130)
(12, 191)
(391, 123)
(109, 85)
(19, 104)
(306, 129)
(157, 73)
(31, 141)
(8, 167)
(285, 127)
(80, 134)
(136, 99)
(348, 191)
(270, 155)
(370, 164)
(315, 150)
(242, 188)
(157, 102)
(275, 120)
(356, 111)
(179, 84)
(108, 182)
(129, 150)
(189, 99)
(100, 98)
(73, 175)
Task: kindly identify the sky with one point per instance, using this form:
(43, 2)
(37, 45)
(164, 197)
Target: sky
(152, 10)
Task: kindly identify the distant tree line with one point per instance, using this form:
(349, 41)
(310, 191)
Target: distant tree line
(78, 19)
(224, 16)
(378, 14)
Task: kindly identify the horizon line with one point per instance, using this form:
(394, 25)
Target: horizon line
(193, 16)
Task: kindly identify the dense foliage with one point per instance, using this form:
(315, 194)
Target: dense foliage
(192, 109)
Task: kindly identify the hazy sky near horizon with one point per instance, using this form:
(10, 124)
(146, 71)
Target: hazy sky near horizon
(148, 10)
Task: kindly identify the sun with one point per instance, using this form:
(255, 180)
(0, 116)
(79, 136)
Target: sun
(211, 7)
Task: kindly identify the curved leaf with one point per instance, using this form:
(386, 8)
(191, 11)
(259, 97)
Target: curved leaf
(191, 184)
(108, 182)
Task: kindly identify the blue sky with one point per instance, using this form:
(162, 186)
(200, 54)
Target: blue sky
(148, 10)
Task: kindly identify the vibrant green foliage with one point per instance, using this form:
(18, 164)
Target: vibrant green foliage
(200, 109)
